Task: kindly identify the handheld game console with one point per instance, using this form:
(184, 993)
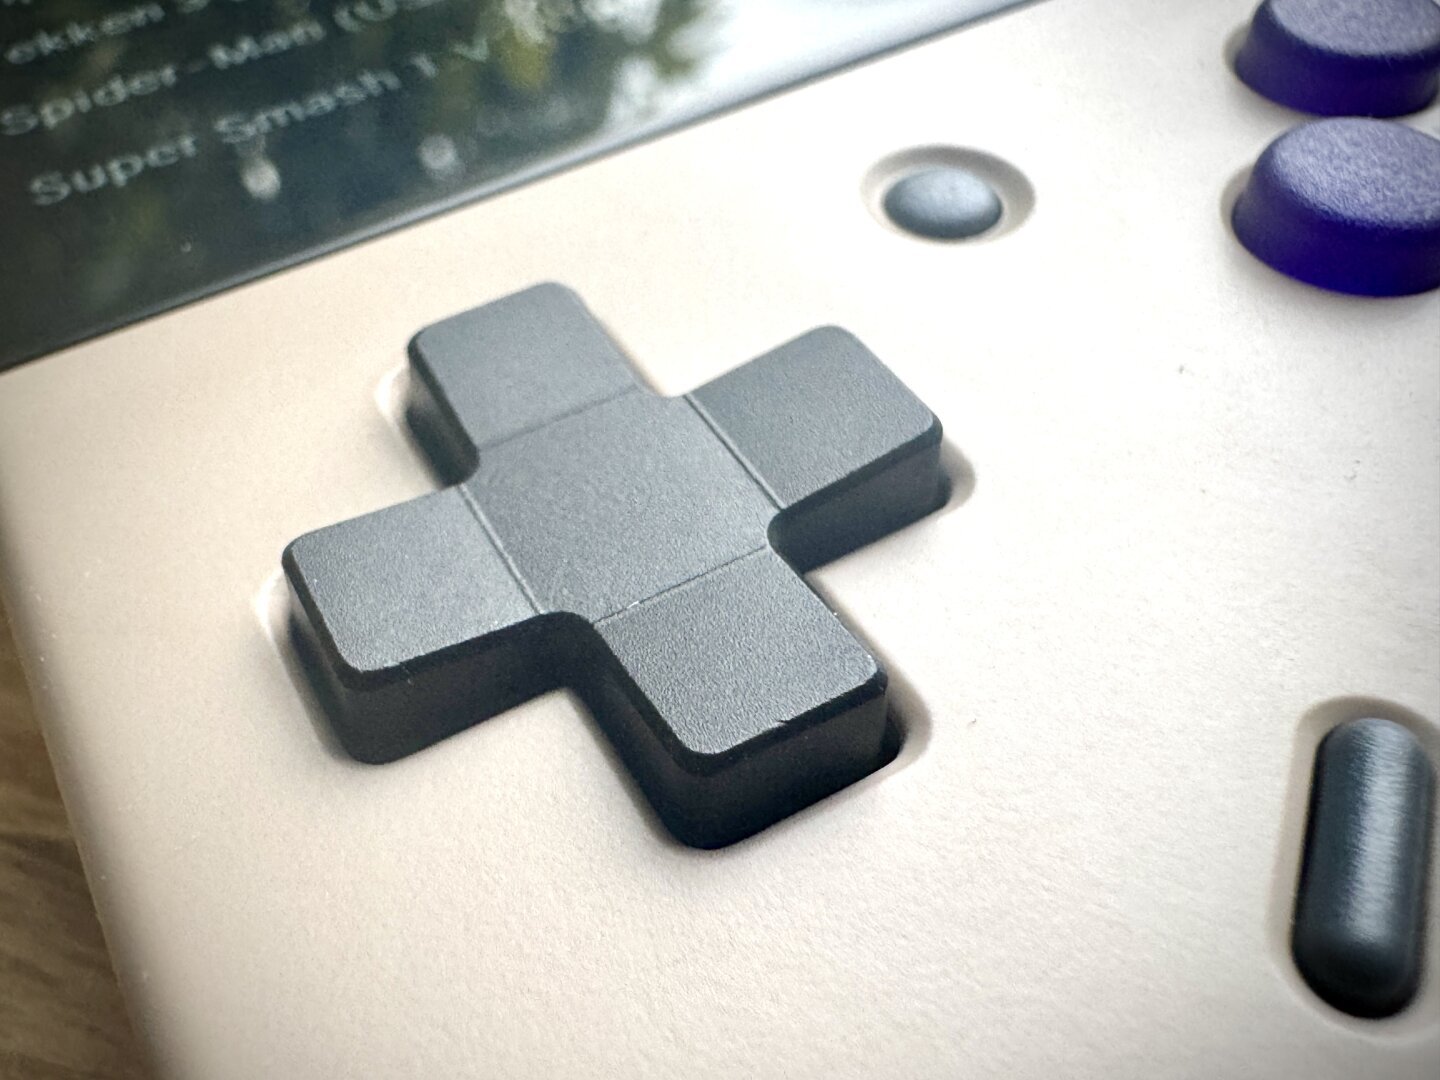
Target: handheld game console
(422, 644)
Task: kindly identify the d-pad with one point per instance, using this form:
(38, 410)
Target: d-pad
(643, 551)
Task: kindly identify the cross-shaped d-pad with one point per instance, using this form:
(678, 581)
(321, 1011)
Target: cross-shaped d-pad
(644, 551)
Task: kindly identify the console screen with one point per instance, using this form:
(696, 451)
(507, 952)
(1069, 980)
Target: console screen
(154, 151)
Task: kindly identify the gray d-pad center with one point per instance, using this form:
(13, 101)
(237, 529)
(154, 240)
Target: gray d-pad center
(618, 503)
(642, 551)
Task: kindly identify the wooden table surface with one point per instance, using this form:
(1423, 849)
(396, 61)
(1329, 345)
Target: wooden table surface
(61, 1015)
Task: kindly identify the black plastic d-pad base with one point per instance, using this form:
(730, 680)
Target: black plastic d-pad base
(640, 550)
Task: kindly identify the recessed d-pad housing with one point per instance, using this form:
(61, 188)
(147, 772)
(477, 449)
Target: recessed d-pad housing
(643, 551)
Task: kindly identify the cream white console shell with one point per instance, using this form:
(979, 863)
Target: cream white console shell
(1197, 521)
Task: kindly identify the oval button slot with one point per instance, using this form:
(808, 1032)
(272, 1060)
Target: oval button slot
(1359, 912)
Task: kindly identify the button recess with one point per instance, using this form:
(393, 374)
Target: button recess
(644, 552)
(1361, 903)
(1350, 204)
(1344, 57)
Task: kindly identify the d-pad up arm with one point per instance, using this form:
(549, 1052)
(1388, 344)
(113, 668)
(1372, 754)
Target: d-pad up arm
(540, 355)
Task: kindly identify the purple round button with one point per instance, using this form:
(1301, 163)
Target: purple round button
(1351, 205)
(1344, 57)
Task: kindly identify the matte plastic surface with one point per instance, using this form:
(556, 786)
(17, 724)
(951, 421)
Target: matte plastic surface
(615, 542)
(1344, 57)
(1196, 525)
(1351, 205)
(1360, 909)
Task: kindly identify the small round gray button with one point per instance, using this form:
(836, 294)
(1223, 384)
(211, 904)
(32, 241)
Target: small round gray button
(945, 202)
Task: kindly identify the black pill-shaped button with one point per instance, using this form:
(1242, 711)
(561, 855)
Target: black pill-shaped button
(1359, 913)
